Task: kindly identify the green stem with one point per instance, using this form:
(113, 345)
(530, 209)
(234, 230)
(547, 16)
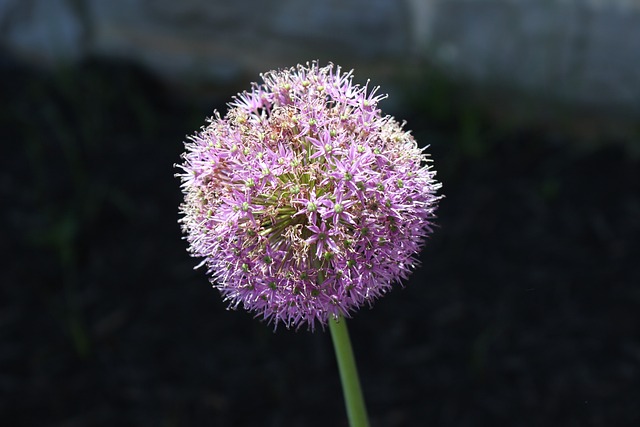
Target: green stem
(353, 399)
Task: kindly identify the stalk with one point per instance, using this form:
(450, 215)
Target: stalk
(353, 398)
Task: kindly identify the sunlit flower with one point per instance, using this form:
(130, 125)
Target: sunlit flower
(304, 201)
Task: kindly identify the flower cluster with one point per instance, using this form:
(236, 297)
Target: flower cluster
(304, 201)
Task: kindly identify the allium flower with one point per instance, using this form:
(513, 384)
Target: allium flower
(304, 201)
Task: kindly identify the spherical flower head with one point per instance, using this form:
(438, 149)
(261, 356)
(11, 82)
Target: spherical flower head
(304, 201)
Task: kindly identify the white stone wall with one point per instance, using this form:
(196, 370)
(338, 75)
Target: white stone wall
(582, 51)
(587, 52)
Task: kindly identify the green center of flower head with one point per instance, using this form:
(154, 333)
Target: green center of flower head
(325, 206)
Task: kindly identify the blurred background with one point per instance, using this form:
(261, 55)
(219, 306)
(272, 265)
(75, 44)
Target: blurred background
(525, 311)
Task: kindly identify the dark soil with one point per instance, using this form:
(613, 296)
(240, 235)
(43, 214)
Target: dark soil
(525, 311)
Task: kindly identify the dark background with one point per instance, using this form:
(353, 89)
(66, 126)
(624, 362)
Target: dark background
(524, 312)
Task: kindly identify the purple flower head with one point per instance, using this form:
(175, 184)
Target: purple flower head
(304, 201)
